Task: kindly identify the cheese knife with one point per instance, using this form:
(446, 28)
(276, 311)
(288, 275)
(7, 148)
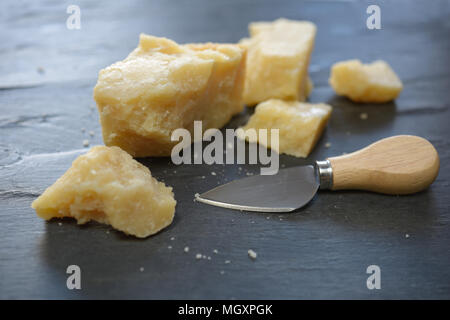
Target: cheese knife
(396, 165)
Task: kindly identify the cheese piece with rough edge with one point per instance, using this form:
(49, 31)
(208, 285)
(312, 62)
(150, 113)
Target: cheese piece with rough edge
(162, 86)
(370, 83)
(108, 186)
(277, 60)
(300, 124)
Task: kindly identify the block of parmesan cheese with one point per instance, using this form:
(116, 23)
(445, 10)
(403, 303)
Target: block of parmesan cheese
(300, 124)
(278, 55)
(162, 86)
(108, 186)
(374, 82)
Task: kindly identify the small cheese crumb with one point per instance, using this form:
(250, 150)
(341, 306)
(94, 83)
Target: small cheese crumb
(91, 133)
(406, 235)
(86, 143)
(213, 173)
(141, 269)
(252, 254)
(227, 261)
(215, 251)
(328, 144)
(203, 256)
(169, 247)
(186, 249)
(209, 258)
(198, 256)
(173, 238)
(222, 272)
(363, 116)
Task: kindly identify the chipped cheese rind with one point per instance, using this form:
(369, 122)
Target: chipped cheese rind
(162, 86)
(374, 82)
(300, 124)
(108, 186)
(278, 55)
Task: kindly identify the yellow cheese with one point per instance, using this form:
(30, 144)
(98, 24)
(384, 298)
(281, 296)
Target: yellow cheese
(277, 60)
(300, 124)
(162, 86)
(374, 82)
(108, 186)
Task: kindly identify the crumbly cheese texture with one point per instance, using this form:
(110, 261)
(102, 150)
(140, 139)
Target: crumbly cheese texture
(374, 82)
(300, 125)
(108, 186)
(162, 86)
(277, 60)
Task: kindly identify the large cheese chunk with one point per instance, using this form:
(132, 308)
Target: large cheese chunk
(300, 125)
(162, 86)
(108, 186)
(277, 60)
(374, 82)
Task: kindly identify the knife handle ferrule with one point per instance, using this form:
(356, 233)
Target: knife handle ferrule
(325, 173)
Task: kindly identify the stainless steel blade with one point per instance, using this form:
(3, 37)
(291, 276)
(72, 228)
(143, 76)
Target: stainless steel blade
(286, 191)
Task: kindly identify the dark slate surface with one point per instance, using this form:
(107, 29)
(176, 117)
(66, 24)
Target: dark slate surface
(47, 76)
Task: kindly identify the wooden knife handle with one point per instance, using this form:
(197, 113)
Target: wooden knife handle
(395, 165)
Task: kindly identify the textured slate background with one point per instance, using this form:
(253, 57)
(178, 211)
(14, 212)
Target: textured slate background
(47, 75)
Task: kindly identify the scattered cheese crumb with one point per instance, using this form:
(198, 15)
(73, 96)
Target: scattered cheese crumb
(86, 143)
(209, 258)
(222, 272)
(198, 256)
(203, 256)
(169, 247)
(59, 224)
(328, 144)
(363, 116)
(186, 249)
(252, 254)
(215, 251)
(406, 235)
(173, 238)
(213, 173)
(91, 133)
(141, 269)
(227, 261)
